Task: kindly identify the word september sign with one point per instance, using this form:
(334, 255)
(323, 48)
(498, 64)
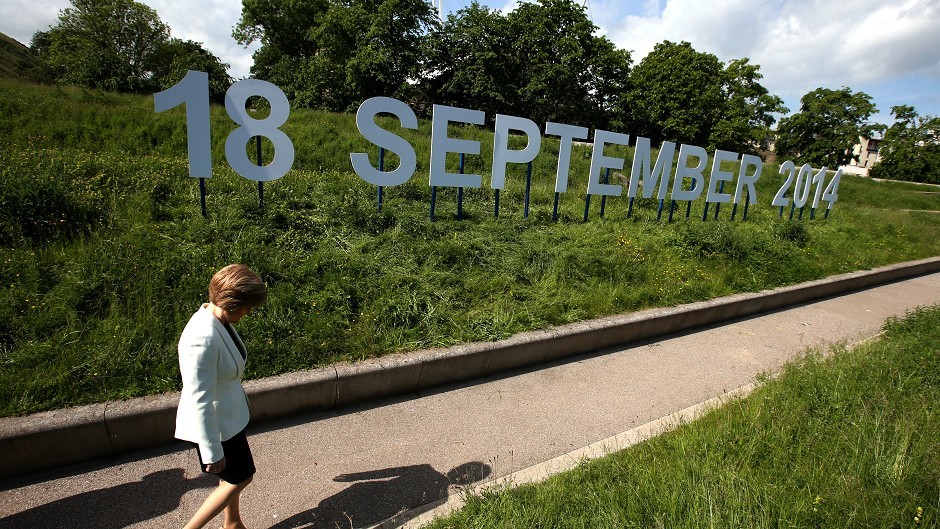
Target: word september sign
(193, 92)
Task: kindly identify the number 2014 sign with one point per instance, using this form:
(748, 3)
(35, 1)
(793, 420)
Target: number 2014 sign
(808, 186)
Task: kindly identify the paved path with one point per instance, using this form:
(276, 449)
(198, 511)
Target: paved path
(374, 461)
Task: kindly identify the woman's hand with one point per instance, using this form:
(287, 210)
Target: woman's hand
(215, 468)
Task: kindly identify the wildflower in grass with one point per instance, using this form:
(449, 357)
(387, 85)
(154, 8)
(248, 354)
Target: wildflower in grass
(920, 514)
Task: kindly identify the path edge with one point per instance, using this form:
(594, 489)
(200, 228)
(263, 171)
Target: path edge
(79, 434)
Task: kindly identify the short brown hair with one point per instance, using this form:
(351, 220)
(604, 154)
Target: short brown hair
(236, 286)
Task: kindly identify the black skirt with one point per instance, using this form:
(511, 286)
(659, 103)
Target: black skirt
(239, 464)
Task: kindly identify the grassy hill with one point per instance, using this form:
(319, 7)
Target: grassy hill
(106, 254)
(16, 61)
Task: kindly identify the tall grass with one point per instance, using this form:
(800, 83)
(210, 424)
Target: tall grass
(849, 441)
(106, 255)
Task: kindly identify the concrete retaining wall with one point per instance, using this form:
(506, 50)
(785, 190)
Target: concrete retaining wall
(62, 437)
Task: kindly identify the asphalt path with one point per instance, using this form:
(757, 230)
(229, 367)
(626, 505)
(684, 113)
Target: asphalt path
(359, 466)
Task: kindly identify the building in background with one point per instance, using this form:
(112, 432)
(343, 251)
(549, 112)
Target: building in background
(865, 153)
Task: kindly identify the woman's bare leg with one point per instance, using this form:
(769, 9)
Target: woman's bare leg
(219, 500)
(233, 518)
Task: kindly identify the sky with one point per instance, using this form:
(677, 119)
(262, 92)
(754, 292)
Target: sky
(887, 49)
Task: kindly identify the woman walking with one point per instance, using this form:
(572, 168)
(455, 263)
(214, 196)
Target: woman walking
(213, 409)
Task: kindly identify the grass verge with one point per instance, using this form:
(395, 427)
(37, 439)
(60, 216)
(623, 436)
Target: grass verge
(850, 440)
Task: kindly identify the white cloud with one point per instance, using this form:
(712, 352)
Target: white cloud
(209, 22)
(508, 6)
(799, 44)
(20, 19)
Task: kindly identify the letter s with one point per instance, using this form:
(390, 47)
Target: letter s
(365, 121)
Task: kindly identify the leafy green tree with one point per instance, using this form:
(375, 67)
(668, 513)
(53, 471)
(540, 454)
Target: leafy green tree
(175, 57)
(682, 95)
(468, 62)
(565, 72)
(748, 110)
(389, 53)
(107, 44)
(282, 27)
(542, 61)
(827, 126)
(911, 148)
(676, 94)
(332, 54)
(608, 85)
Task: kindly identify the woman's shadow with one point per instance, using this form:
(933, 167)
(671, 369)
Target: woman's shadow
(112, 508)
(381, 494)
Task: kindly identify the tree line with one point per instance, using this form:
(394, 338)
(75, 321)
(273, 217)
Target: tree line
(544, 61)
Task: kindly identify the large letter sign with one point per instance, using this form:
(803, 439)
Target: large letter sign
(568, 134)
(599, 162)
(441, 144)
(365, 121)
(748, 160)
(720, 176)
(656, 178)
(193, 91)
(683, 171)
(235, 100)
(658, 175)
(501, 152)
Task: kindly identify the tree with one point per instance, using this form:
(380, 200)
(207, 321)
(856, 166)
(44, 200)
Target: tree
(332, 54)
(676, 94)
(564, 72)
(911, 148)
(827, 126)
(682, 95)
(747, 110)
(542, 61)
(468, 62)
(608, 84)
(175, 57)
(122, 46)
(107, 44)
(282, 27)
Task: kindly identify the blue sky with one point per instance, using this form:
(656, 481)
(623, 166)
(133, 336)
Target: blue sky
(888, 49)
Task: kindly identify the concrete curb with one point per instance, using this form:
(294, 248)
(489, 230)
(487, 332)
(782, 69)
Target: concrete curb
(73, 435)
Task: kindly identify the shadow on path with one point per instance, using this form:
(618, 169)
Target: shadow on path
(112, 508)
(380, 494)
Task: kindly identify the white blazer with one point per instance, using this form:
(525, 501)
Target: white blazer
(213, 406)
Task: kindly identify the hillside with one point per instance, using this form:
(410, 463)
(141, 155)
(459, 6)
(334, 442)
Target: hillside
(16, 60)
(106, 252)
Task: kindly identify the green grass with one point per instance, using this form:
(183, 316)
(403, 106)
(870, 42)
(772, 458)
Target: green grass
(15, 58)
(106, 255)
(845, 441)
